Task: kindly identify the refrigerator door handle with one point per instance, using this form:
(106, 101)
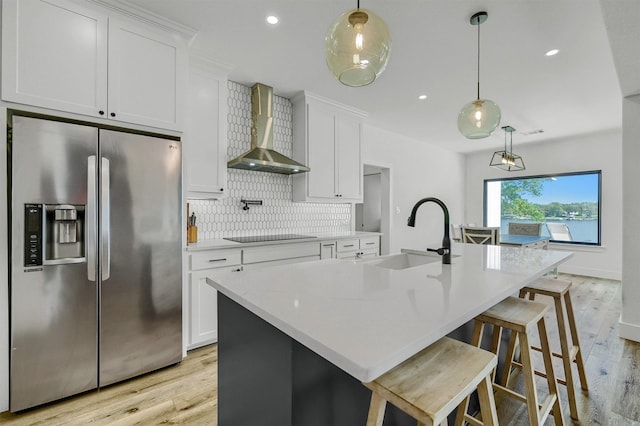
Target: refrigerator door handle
(92, 220)
(105, 219)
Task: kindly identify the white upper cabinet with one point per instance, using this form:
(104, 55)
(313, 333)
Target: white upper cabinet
(147, 75)
(205, 139)
(327, 138)
(77, 58)
(54, 55)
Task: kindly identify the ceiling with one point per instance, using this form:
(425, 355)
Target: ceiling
(573, 93)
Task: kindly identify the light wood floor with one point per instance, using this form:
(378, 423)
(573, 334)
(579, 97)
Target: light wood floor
(182, 394)
(187, 393)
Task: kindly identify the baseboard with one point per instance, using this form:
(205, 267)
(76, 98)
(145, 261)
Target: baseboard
(210, 341)
(591, 272)
(628, 331)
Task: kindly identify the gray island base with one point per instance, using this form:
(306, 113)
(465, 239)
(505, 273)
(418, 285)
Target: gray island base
(267, 378)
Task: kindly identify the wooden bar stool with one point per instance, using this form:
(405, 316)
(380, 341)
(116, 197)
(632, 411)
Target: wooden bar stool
(521, 317)
(569, 341)
(432, 383)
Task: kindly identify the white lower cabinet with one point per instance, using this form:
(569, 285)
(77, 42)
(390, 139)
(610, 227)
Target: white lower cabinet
(203, 300)
(328, 250)
(271, 255)
(358, 248)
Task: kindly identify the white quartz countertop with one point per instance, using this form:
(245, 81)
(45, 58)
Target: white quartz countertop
(366, 319)
(222, 243)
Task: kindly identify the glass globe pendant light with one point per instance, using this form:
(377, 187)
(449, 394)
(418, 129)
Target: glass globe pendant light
(479, 118)
(357, 47)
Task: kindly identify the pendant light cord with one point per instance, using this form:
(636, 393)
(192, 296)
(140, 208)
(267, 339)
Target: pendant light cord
(478, 57)
(505, 141)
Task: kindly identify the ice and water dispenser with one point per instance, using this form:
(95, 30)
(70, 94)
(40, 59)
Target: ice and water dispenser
(54, 234)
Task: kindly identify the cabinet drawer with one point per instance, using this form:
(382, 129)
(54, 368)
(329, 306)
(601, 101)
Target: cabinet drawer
(280, 251)
(252, 266)
(369, 242)
(348, 245)
(215, 259)
(328, 250)
(369, 252)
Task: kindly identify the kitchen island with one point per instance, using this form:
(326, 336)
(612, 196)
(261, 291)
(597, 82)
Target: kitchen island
(295, 341)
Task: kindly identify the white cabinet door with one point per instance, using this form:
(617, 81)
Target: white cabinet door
(203, 301)
(54, 55)
(327, 137)
(63, 55)
(321, 152)
(328, 250)
(203, 307)
(147, 74)
(204, 310)
(205, 141)
(347, 158)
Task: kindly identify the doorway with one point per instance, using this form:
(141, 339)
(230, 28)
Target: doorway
(373, 214)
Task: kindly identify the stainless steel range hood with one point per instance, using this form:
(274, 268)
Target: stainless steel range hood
(262, 157)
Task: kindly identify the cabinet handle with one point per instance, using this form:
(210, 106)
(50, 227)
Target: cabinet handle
(101, 112)
(349, 245)
(368, 244)
(113, 114)
(217, 260)
(328, 245)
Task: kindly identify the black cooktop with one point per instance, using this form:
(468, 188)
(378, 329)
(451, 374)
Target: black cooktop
(261, 238)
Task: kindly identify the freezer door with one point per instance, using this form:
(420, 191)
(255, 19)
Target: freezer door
(53, 307)
(141, 268)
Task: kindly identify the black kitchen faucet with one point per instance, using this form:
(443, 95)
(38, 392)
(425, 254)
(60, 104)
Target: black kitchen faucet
(445, 250)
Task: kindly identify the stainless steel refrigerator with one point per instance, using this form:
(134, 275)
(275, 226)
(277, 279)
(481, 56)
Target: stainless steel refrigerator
(95, 257)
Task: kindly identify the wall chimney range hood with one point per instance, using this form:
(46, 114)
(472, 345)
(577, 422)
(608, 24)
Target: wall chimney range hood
(262, 157)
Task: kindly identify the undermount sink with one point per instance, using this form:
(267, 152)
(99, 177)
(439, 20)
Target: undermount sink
(405, 260)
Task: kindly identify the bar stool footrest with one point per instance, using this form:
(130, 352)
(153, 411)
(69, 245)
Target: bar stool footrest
(572, 352)
(472, 420)
(560, 380)
(510, 393)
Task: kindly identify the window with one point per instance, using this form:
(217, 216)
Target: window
(567, 205)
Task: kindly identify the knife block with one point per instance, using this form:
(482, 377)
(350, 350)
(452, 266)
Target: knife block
(192, 234)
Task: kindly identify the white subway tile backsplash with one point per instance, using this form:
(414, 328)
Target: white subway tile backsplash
(277, 214)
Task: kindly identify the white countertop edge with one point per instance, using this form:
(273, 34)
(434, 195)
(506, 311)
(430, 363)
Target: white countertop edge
(369, 373)
(224, 244)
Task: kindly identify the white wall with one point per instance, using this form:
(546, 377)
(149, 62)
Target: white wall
(602, 151)
(418, 170)
(630, 317)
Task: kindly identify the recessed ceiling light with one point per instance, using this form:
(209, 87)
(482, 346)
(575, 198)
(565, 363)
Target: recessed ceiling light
(551, 52)
(272, 19)
(422, 97)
